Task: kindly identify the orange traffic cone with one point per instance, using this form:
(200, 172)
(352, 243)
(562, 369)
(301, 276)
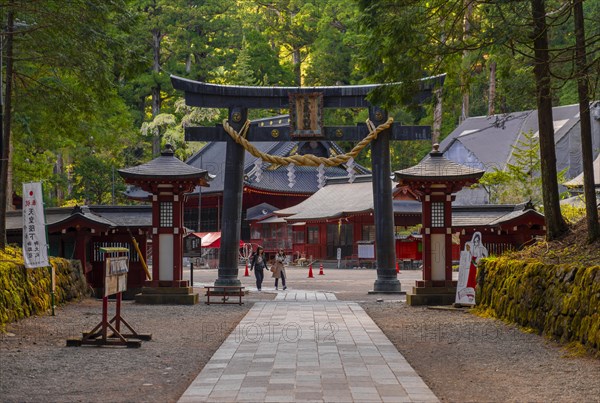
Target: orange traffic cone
(321, 270)
(310, 274)
(246, 274)
(397, 267)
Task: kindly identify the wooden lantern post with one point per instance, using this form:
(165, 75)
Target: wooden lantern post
(168, 179)
(435, 180)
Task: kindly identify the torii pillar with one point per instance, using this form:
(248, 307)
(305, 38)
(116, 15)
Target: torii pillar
(168, 179)
(435, 180)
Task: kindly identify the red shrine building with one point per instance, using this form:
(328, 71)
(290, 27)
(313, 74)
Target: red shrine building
(340, 215)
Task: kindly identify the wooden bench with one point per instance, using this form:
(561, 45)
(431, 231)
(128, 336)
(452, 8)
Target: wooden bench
(223, 293)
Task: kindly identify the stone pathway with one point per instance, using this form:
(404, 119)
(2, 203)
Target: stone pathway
(307, 346)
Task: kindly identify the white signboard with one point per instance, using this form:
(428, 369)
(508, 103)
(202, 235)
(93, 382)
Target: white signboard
(35, 246)
(467, 270)
(366, 251)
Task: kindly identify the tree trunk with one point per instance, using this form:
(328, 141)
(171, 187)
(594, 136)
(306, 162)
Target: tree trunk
(6, 127)
(464, 84)
(437, 116)
(156, 38)
(9, 177)
(555, 224)
(297, 63)
(59, 170)
(492, 90)
(591, 210)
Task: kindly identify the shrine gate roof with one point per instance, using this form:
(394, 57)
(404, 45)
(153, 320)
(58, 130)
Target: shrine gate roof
(198, 93)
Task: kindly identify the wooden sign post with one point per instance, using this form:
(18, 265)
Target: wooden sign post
(115, 282)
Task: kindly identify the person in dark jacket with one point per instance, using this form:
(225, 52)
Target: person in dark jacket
(258, 264)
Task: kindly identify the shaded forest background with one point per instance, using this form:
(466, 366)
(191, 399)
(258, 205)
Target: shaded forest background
(91, 90)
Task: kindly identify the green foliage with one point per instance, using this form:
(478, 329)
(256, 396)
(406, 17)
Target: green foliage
(86, 73)
(572, 214)
(95, 180)
(521, 180)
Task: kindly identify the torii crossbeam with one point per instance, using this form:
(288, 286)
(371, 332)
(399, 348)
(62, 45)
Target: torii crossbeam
(305, 104)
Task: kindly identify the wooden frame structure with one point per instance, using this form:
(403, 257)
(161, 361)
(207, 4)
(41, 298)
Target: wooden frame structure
(99, 335)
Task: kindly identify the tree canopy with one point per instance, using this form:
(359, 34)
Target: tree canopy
(90, 89)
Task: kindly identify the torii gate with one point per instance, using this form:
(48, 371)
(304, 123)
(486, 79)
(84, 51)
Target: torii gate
(305, 104)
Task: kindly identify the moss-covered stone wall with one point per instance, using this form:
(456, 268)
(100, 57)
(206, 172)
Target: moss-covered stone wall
(25, 292)
(559, 301)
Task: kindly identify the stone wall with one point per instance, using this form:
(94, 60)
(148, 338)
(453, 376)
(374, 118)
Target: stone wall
(25, 292)
(559, 301)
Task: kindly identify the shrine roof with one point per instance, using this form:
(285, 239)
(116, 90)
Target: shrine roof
(487, 141)
(260, 211)
(436, 168)
(166, 166)
(82, 214)
(111, 216)
(339, 199)
(274, 178)
(578, 180)
(332, 201)
(490, 214)
(272, 220)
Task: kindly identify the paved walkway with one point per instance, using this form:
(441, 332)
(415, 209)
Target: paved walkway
(307, 346)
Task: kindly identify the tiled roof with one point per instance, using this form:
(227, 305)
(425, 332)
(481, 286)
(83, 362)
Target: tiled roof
(487, 142)
(578, 180)
(166, 166)
(489, 214)
(437, 167)
(259, 211)
(113, 216)
(333, 200)
(472, 218)
(86, 215)
(274, 178)
(273, 220)
(306, 181)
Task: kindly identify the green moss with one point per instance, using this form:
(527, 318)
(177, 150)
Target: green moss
(26, 292)
(559, 301)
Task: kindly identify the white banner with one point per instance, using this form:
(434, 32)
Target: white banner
(467, 270)
(35, 246)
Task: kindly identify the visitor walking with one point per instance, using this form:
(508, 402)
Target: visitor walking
(278, 269)
(259, 264)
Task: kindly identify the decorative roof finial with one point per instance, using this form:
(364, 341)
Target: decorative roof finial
(168, 151)
(435, 152)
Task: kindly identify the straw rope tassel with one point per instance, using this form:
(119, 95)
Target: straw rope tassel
(307, 159)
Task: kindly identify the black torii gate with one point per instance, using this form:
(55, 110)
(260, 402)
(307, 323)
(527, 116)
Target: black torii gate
(238, 99)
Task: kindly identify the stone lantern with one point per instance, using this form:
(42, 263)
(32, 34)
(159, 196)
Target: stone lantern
(435, 180)
(168, 180)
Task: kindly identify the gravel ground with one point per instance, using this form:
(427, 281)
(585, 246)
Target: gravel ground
(462, 357)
